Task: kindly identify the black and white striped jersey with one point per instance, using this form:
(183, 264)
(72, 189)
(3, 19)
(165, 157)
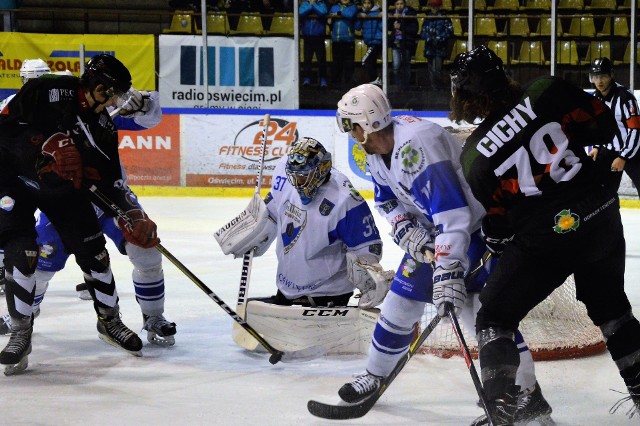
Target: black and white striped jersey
(625, 108)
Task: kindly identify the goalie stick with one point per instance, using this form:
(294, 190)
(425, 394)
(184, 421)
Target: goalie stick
(354, 411)
(238, 334)
(276, 355)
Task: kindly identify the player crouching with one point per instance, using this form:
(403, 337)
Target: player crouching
(327, 246)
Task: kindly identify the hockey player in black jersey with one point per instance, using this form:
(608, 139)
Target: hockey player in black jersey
(56, 139)
(549, 214)
(622, 153)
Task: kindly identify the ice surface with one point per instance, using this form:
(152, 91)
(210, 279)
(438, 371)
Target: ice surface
(76, 379)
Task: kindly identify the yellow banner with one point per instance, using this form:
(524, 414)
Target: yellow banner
(62, 52)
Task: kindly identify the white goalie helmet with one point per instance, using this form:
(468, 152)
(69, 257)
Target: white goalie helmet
(366, 105)
(33, 68)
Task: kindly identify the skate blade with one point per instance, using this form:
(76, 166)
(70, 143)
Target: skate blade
(113, 343)
(20, 367)
(84, 295)
(545, 420)
(158, 340)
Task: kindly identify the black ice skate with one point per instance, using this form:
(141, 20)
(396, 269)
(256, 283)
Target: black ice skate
(15, 355)
(633, 385)
(532, 407)
(159, 330)
(114, 332)
(361, 388)
(503, 410)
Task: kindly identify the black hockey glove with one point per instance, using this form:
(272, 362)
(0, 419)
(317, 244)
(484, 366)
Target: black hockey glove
(496, 233)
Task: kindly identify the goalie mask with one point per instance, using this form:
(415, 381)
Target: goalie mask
(33, 68)
(111, 73)
(308, 167)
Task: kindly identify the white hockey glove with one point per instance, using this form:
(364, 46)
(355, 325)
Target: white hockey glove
(368, 277)
(253, 228)
(135, 103)
(414, 240)
(448, 286)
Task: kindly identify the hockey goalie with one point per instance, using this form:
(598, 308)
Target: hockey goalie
(327, 247)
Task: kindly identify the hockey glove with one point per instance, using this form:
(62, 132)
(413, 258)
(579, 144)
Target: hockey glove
(138, 103)
(139, 230)
(414, 240)
(61, 157)
(448, 286)
(496, 234)
(370, 278)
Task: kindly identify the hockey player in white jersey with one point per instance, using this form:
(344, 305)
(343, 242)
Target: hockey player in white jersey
(420, 189)
(138, 110)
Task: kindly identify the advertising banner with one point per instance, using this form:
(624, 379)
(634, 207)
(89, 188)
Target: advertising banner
(152, 156)
(227, 155)
(241, 72)
(62, 52)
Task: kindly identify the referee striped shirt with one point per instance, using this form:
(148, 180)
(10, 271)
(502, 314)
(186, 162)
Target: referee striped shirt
(625, 107)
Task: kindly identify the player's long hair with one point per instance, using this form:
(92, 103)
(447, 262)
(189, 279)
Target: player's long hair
(468, 106)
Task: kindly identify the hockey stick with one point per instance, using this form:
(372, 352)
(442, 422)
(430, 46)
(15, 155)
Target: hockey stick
(276, 355)
(354, 411)
(448, 306)
(237, 333)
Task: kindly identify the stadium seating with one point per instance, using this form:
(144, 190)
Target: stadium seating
(501, 48)
(250, 23)
(544, 27)
(567, 52)
(217, 24)
(511, 6)
(620, 27)
(571, 4)
(596, 49)
(582, 27)
(485, 25)
(459, 46)
(282, 24)
(537, 5)
(181, 23)
(531, 52)
(518, 26)
(626, 59)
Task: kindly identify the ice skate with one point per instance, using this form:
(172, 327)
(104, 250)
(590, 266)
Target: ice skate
(532, 408)
(83, 291)
(114, 332)
(159, 331)
(15, 355)
(503, 410)
(633, 409)
(361, 388)
(5, 321)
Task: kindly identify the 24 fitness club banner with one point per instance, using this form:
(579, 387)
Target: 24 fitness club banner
(243, 72)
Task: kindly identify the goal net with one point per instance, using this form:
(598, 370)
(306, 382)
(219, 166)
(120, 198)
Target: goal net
(558, 328)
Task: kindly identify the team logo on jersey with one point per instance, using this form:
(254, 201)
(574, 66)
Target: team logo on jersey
(325, 207)
(7, 203)
(388, 206)
(409, 267)
(566, 221)
(294, 229)
(412, 158)
(47, 250)
(268, 198)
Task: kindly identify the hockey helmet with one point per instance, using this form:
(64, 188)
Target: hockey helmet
(110, 72)
(478, 71)
(366, 105)
(33, 68)
(308, 165)
(600, 66)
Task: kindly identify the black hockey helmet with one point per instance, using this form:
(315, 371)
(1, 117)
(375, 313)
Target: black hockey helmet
(478, 71)
(601, 66)
(107, 70)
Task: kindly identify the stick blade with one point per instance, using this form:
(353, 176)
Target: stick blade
(340, 412)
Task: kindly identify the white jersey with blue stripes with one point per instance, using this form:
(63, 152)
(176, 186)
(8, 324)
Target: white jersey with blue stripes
(425, 179)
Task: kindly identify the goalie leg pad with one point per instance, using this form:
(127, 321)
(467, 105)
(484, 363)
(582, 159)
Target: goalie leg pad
(252, 228)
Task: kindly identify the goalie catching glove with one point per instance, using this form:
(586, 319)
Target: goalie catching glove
(252, 229)
(368, 277)
(139, 230)
(137, 104)
(413, 239)
(60, 156)
(448, 287)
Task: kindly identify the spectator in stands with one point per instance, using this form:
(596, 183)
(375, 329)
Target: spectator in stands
(312, 15)
(621, 153)
(371, 25)
(437, 29)
(342, 18)
(404, 32)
